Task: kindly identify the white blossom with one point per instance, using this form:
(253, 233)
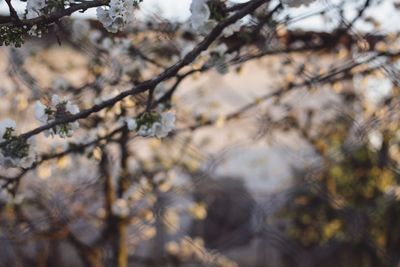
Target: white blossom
(200, 14)
(16, 151)
(231, 29)
(131, 124)
(160, 127)
(55, 100)
(158, 130)
(104, 17)
(40, 112)
(168, 121)
(71, 108)
(117, 16)
(35, 31)
(23, 162)
(144, 130)
(34, 7)
(57, 109)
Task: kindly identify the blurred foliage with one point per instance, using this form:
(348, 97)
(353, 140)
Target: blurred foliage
(351, 205)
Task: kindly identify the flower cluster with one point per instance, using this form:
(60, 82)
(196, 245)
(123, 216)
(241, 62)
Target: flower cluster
(231, 29)
(152, 124)
(200, 14)
(34, 8)
(15, 151)
(297, 3)
(202, 20)
(57, 109)
(118, 15)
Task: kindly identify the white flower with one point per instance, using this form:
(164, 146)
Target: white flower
(55, 100)
(157, 130)
(33, 8)
(143, 131)
(200, 13)
(17, 152)
(168, 121)
(104, 17)
(160, 127)
(73, 109)
(40, 112)
(34, 31)
(297, 3)
(231, 29)
(131, 124)
(118, 16)
(27, 161)
(56, 110)
(116, 9)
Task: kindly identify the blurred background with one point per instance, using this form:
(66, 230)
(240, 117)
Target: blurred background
(286, 149)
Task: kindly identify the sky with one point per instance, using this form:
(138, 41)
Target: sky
(385, 12)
